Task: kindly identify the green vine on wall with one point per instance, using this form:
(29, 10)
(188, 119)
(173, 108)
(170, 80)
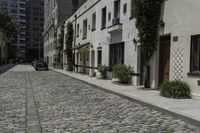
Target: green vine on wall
(69, 44)
(147, 14)
(59, 45)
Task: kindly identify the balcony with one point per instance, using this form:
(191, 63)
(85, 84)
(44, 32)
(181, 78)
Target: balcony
(116, 26)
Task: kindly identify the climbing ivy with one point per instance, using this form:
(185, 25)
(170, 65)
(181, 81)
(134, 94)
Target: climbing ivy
(147, 14)
(59, 45)
(69, 42)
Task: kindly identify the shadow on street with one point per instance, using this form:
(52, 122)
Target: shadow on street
(5, 68)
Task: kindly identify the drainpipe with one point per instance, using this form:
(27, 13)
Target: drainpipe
(74, 39)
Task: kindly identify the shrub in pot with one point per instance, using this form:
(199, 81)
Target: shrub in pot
(176, 90)
(123, 73)
(103, 71)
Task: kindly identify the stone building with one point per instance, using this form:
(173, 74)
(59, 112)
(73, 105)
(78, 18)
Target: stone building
(105, 33)
(55, 12)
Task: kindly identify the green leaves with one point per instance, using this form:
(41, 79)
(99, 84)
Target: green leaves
(147, 13)
(103, 71)
(175, 89)
(6, 24)
(69, 41)
(123, 73)
(59, 44)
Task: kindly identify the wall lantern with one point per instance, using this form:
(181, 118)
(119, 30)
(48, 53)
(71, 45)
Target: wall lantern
(162, 23)
(91, 46)
(135, 43)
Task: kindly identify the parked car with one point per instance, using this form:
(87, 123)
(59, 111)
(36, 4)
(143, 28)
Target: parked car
(34, 62)
(41, 65)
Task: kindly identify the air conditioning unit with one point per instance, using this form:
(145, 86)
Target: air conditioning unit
(115, 21)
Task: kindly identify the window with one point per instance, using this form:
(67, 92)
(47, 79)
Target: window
(103, 19)
(99, 57)
(22, 11)
(22, 5)
(77, 30)
(125, 8)
(14, 11)
(109, 16)
(85, 29)
(116, 54)
(132, 8)
(93, 21)
(195, 54)
(117, 9)
(88, 55)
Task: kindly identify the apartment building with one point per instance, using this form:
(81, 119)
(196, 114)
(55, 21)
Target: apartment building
(34, 29)
(105, 33)
(56, 11)
(17, 11)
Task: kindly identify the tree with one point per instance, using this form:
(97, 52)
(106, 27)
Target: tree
(147, 14)
(6, 25)
(8, 28)
(69, 43)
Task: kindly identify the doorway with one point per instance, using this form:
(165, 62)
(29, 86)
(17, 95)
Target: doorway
(164, 59)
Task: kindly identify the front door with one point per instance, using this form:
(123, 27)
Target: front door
(164, 59)
(84, 62)
(92, 61)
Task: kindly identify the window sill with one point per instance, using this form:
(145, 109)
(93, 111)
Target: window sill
(103, 28)
(194, 73)
(84, 38)
(93, 30)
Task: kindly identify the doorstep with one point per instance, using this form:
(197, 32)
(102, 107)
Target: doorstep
(185, 109)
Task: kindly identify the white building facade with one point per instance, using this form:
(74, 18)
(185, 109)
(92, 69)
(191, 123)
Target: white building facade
(105, 33)
(181, 26)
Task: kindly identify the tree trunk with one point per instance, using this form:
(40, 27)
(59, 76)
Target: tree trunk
(147, 83)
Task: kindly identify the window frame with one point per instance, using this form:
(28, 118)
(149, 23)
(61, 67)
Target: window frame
(94, 18)
(132, 15)
(85, 24)
(77, 31)
(195, 40)
(103, 17)
(116, 54)
(99, 57)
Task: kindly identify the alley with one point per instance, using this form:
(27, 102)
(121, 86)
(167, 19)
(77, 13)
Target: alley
(45, 101)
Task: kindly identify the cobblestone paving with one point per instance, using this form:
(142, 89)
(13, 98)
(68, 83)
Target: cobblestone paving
(12, 102)
(65, 105)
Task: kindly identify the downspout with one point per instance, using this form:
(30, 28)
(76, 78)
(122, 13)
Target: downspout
(74, 40)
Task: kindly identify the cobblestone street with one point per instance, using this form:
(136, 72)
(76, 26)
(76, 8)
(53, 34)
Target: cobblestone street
(45, 101)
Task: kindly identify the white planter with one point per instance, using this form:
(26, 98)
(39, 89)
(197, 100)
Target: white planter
(109, 75)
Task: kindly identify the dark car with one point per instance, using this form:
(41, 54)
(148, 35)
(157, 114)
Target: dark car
(41, 65)
(33, 63)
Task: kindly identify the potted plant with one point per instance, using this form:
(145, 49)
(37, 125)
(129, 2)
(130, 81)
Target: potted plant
(103, 71)
(123, 73)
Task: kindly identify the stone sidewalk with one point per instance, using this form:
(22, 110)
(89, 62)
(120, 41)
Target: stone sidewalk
(186, 109)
